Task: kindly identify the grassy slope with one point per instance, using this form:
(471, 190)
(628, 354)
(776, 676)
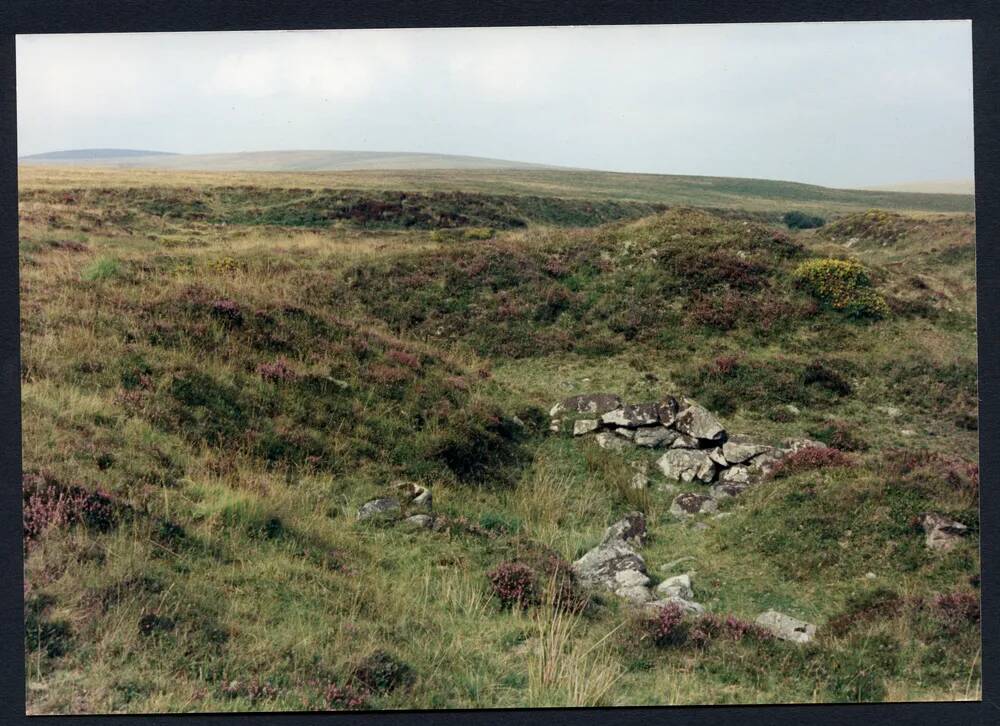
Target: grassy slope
(755, 195)
(413, 349)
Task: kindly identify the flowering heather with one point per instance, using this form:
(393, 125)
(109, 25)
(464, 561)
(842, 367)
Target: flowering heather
(228, 311)
(710, 626)
(956, 609)
(47, 504)
(253, 690)
(514, 584)
(388, 375)
(278, 371)
(344, 698)
(812, 457)
(724, 365)
(403, 358)
(665, 627)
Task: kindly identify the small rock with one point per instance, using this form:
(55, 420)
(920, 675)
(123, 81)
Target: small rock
(942, 533)
(698, 422)
(722, 491)
(599, 566)
(655, 436)
(585, 426)
(793, 445)
(677, 586)
(607, 440)
(907, 432)
(890, 411)
(870, 576)
(687, 465)
(630, 529)
(384, 508)
(416, 494)
(419, 521)
(688, 606)
(555, 425)
(691, 503)
(786, 627)
(639, 480)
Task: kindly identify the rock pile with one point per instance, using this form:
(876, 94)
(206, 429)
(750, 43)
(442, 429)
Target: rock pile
(697, 446)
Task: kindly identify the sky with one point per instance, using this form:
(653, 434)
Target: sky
(838, 104)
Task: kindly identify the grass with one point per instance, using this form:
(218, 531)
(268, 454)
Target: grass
(239, 390)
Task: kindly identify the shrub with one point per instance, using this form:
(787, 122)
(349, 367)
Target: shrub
(801, 220)
(665, 627)
(514, 584)
(956, 609)
(102, 268)
(47, 503)
(344, 698)
(228, 312)
(809, 458)
(381, 672)
(279, 371)
(842, 285)
(151, 624)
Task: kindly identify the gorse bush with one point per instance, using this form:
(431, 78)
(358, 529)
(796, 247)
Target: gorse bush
(843, 285)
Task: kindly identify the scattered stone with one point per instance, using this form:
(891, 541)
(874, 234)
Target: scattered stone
(696, 421)
(384, 508)
(688, 606)
(555, 425)
(735, 475)
(786, 627)
(870, 576)
(654, 437)
(687, 465)
(599, 566)
(597, 403)
(722, 491)
(739, 449)
(630, 529)
(640, 480)
(907, 432)
(607, 440)
(420, 521)
(677, 586)
(942, 533)
(633, 586)
(585, 426)
(793, 445)
(415, 494)
(692, 503)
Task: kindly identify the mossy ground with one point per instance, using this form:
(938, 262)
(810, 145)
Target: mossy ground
(239, 389)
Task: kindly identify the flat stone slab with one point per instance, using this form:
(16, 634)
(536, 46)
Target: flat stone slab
(596, 403)
(633, 416)
(585, 426)
(677, 586)
(740, 449)
(630, 529)
(786, 627)
(607, 440)
(687, 606)
(655, 436)
(600, 566)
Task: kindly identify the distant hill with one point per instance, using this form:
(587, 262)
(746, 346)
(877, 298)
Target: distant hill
(93, 155)
(949, 186)
(305, 160)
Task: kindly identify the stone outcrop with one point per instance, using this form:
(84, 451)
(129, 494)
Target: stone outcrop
(786, 627)
(386, 508)
(614, 564)
(942, 533)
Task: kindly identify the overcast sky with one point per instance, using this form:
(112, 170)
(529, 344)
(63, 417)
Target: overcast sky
(840, 104)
